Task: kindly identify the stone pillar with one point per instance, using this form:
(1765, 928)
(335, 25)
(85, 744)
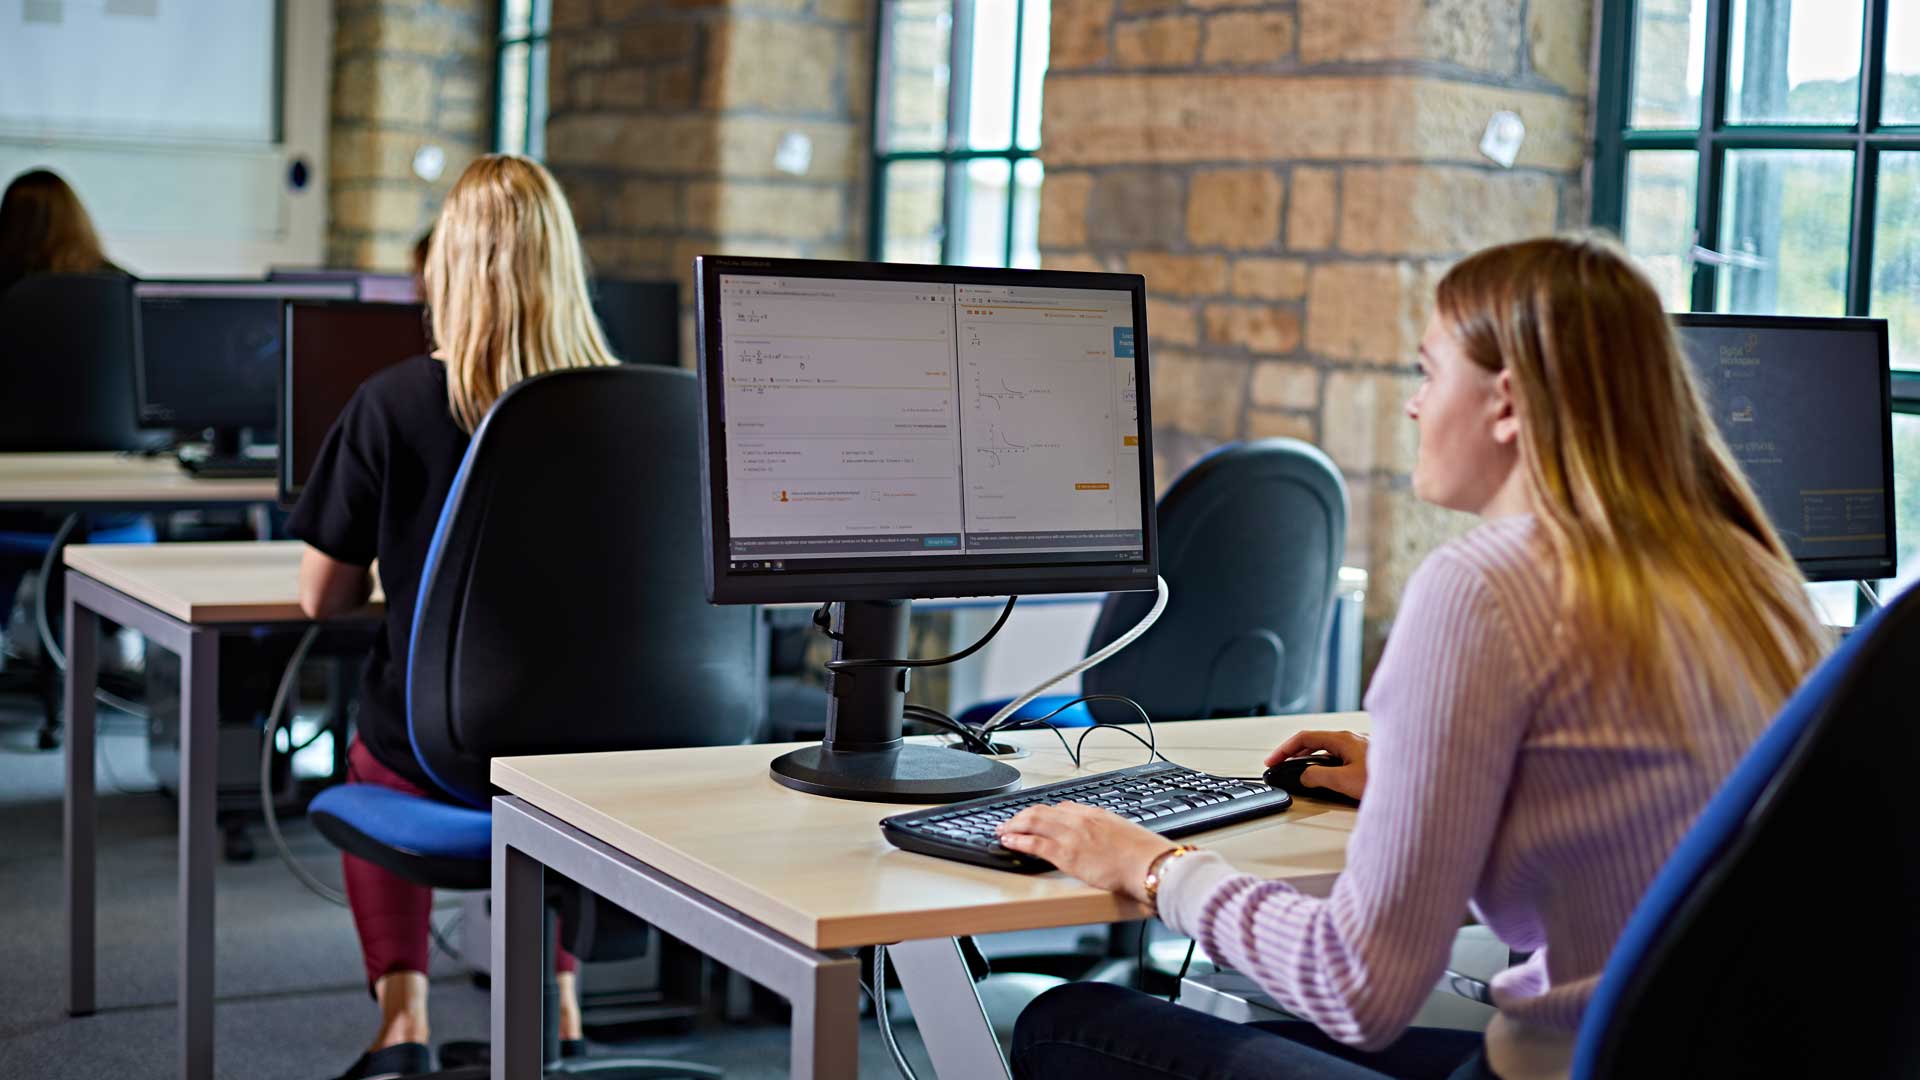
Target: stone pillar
(407, 74)
(687, 127)
(1293, 178)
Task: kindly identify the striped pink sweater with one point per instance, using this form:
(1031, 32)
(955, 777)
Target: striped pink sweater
(1499, 777)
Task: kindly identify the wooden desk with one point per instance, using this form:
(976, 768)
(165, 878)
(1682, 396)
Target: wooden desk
(108, 480)
(181, 596)
(771, 881)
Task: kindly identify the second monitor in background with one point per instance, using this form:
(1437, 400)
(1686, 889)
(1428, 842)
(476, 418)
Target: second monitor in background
(331, 347)
(207, 359)
(1806, 406)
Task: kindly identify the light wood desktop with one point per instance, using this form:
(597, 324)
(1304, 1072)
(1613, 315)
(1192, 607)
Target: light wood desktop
(107, 479)
(710, 824)
(207, 584)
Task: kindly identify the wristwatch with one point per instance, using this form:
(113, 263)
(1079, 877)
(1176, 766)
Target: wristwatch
(1157, 871)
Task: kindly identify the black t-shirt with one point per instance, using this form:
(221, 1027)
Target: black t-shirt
(375, 492)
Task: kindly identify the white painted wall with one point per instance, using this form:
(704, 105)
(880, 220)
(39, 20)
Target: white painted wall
(198, 186)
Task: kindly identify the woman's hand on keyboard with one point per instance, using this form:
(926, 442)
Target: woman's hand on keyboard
(1097, 846)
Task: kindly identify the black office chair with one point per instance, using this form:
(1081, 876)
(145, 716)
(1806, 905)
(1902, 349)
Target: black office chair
(66, 383)
(1817, 829)
(562, 609)
(66, 364)
(1251, 539)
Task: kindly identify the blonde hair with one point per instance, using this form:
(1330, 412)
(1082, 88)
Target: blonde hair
(45, 229)
(1666, 556)
(507, 285)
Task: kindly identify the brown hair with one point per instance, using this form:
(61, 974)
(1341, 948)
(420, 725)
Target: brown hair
(1665, 552)
(507, 285)
(45, 229)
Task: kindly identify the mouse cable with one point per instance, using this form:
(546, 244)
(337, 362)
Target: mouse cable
(927, 715)
(280, 709)
(868, 662)
(1162, 592)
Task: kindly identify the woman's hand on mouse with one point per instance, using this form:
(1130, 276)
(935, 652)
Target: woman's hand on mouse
(1349, 779)
(1097, 846)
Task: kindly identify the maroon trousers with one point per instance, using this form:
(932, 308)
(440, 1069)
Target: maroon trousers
(389, 911)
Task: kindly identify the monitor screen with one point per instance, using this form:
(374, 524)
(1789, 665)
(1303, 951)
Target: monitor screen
(331, 348)
(207, 354)
(383, 288)
(1805, 406)
(889, 431)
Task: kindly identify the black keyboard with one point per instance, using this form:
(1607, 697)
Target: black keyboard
(1170, 799)
(231, 468)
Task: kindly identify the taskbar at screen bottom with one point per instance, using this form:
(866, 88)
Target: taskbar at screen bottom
(1000, 561)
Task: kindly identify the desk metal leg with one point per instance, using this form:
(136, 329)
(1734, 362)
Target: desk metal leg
(824, 988)
(518, 908)
(199, 767)
(953, 1023)
(83, 635)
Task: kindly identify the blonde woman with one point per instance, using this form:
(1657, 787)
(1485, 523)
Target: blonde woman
(1564, 688)
(44, 229)
(507, 290)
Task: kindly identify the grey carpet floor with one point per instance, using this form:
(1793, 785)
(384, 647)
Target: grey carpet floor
(288, 979)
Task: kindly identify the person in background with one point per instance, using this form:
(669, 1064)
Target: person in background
(1564, 689)
(506, 292)
(44, 229)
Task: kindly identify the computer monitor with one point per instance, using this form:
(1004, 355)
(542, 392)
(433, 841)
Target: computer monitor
(207, 354)
(331, 347)
(877, 432)
(368, 285)
(641, 319)
(1806, 406)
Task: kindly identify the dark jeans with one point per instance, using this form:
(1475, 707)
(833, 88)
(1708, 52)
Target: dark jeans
(1104, 1032)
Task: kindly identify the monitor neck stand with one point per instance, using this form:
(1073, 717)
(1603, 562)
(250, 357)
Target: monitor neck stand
(863, 756)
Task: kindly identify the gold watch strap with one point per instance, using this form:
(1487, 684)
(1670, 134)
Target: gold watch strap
(1156, 870)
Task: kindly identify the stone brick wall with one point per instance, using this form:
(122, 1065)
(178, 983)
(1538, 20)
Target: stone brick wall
(1293, 177)
(668, 119)
(407, 74)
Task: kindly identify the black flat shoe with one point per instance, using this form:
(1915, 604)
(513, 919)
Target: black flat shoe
(390, 1062)
(573, 1048)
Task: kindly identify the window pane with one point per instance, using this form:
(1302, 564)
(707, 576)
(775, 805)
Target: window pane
(914, 84)
(990, 76)
(1669, 42)
(1034, 47)
(511, 134)
(516, 18)
(1659, 220)
(1900, 91)
(915, 193)
(537, 112)
(1795, 63)
(1906, 494)
(979, 211)
(1027, 177)
(1784, 221)
(1896, 257)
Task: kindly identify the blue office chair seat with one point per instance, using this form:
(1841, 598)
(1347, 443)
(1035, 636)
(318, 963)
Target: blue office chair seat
(423, 840)
(1077, 716)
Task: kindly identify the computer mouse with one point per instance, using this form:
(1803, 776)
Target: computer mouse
(1286, 777)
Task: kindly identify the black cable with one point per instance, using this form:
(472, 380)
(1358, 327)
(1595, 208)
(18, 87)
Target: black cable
(868, 662)
(1141, 949)
(942, 720)
(1073, 752)
(1174, 998)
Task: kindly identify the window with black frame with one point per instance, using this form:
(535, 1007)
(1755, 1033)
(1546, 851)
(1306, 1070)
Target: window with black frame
(957, 127)
(1763, 157)
(520, 77)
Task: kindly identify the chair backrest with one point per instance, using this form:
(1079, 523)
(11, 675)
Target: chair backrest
(1251, 539)
(563, 601)
(66, 364)
(1781, 938)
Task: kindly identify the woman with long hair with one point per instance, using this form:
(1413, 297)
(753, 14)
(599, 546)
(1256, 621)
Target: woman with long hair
(1563, 690)
(506, 288)
(44, 229)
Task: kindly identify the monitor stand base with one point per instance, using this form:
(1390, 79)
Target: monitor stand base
(909, 773)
